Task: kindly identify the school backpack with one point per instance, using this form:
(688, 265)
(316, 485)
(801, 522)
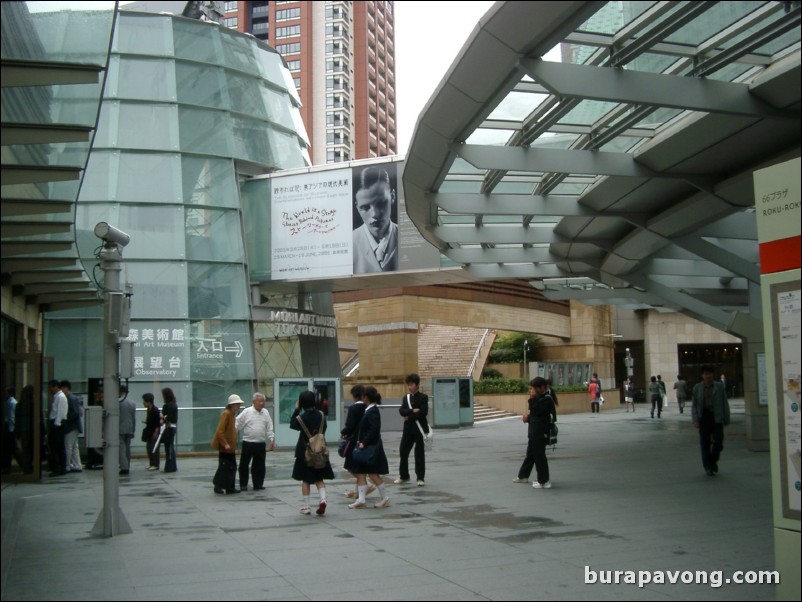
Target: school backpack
(316, 454)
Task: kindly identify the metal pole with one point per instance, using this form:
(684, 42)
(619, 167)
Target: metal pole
(526, 367)
(111, 520)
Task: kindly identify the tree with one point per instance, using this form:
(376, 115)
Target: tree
(509, 348)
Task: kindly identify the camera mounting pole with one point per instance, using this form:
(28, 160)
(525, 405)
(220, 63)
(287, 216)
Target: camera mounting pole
(111, 520)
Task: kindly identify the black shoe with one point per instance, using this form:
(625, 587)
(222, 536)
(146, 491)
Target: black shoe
(124, 473)
(715, 468)
(57, 473)
(219, 490)
(232, 491)
(255, 488)
(244, 488)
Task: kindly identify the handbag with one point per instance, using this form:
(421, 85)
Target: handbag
(344, 447)
(364, 455)
(428, 438)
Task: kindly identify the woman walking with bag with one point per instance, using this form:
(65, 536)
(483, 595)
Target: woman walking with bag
(315, 422)
(369, 459)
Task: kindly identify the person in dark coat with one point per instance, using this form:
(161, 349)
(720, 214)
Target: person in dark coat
(351, 430)
(541, 414)
(315, 421)
(370, 434)
(150, 433)
(414, 408)
(225, 442)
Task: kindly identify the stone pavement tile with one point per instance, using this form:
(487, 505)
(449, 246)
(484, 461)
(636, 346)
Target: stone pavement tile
(253, 588)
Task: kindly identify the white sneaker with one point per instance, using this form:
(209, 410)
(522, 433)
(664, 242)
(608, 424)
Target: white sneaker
(357, 505)
(520, 480)
(421, 483)
(546, 485)
(401, 481)
(152, 468)
(305, 510)
(382, 504)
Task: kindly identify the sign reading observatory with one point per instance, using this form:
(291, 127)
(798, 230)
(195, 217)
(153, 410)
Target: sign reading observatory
(337, 223)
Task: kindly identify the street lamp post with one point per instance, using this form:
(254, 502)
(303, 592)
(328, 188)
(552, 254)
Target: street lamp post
(526, 366)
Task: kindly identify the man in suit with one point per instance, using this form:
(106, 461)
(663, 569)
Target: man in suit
(127, 429)
(710, 412)
(376, 240)
(414, 408)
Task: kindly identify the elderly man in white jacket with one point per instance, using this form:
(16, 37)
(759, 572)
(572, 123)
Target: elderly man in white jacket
(257, 439)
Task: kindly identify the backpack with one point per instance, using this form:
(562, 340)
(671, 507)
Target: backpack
(316, 454)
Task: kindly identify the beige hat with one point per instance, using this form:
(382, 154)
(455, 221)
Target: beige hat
(232, 399)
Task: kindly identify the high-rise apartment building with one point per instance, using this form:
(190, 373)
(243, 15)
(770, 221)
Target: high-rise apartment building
(342, 59)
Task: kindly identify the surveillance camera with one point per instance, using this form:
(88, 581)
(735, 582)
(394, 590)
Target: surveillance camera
(111, 234)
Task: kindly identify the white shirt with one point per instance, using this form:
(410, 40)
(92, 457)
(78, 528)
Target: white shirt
(58, 411)
(256, 427)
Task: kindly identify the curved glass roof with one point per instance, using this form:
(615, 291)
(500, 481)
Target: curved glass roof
(612, 142)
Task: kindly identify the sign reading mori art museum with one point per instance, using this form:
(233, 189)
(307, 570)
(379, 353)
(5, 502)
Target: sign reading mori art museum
(182, 350)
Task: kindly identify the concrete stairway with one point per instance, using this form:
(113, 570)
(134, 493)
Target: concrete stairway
(482, 413)
(447, 350)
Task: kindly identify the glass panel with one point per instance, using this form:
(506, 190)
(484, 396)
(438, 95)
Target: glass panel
(217, 291)
(149, 178)
(80, 36)
(209, 181)
(213, 235)
(287, 150)
(238, 53)
(490, 136)
(151, 229)
(460, 186)
(205, 131)
(71, 105)
(250, 142)
(279, 107)
(201, 85)
(144, 34)
(512, 187)
(718, 17)
(461, 166)
(256, 223)
(588, 112)
(155, 126)
(517, 106)
(150, 79)
(160, 289)
(75, 344)
(244, 99)
(271, 67)
(196, 41)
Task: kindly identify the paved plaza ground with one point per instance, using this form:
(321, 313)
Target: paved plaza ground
(629, 495)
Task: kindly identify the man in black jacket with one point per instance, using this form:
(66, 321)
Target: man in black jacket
(541, 414)
(414, 408)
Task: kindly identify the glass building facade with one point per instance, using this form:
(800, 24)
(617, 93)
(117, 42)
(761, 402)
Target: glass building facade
(189, 110)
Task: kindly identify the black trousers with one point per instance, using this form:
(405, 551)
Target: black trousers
(226, 475)
(58, 453)
(536, 457)
(711, 440)
(253, 454)
(412, 437)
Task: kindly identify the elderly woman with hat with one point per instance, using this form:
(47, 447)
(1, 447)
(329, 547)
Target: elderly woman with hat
(225, 442)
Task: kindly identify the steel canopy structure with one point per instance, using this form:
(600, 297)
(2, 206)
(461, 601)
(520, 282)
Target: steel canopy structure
(623, 174)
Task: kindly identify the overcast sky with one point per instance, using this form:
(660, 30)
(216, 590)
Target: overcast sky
(428, 36)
